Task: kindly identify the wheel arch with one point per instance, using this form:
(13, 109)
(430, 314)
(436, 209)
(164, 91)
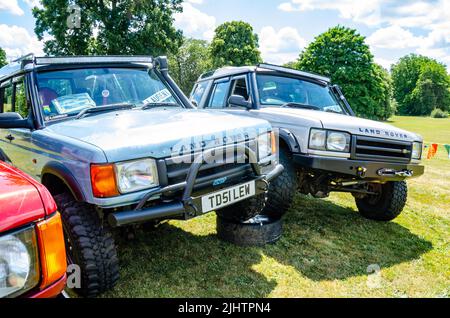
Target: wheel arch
(288, 140)
(58, 179)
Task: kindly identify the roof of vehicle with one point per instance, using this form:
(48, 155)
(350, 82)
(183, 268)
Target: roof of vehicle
(30, 61)
(231, 71)
(21, 200)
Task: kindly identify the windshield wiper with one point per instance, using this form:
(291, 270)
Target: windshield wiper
(300, 105)
(156, 105)
(333, 111)
(105, 108)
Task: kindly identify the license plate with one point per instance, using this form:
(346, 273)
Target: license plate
(229, 196)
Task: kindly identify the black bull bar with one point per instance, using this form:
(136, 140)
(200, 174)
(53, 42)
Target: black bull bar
(188, 205)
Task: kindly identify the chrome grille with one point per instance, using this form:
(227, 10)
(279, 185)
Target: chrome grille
(378, 149)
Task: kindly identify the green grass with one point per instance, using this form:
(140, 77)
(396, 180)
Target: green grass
(432, 129)
(325, 250)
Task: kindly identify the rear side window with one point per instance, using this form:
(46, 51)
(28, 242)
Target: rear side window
(6, 94)
(219, 94)
(13, 98)
(199, 92)
(21, 105)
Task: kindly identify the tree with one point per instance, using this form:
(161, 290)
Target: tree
(108, 26)
(421, 84)
(342, 54)
(3, 60)
(292, 64)
(235, 44)
(381, 92)
(189, 63)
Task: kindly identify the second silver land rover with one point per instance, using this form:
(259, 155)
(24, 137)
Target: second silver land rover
(324, 147)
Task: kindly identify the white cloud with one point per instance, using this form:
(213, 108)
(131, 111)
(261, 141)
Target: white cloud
(195, 23)
(16, 41)
(398, 22)
(386, 63)
(420, 14)
(11, 6)
(394, 37)
(280, 46)
(367, 12)
(442, 55)
(195, 1)
(33, 3)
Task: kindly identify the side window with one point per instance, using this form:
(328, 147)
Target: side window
(21, 105)
(198, 92)
(240, 88)
(219, 94)
(6, 99)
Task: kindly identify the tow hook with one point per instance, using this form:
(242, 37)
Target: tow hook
(191, 209)
(264, 186)
(361, 172)
(391, 173)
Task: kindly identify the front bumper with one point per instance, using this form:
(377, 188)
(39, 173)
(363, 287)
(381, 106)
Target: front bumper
(368, 170)
(52, 291)
(189, 206)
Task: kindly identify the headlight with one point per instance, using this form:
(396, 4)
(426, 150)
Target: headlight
(327, 140)
(417, 150)
(318, 139)
(337, 141)
(266, 145)
(136, 175)
(19, 269)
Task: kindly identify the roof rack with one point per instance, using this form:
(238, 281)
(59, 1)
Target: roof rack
(287, 70)
(207, 74)
(27, 57)
(16, 66)
(20, 63)
(92, 59)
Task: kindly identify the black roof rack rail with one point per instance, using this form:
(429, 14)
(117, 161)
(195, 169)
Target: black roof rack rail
(207, 74)
(27, 57)
(93, 59)
(287, 70)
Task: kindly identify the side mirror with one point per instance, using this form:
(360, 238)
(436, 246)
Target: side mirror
(240, 101)
(13, 120)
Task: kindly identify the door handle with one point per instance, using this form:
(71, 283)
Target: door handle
(10, 137)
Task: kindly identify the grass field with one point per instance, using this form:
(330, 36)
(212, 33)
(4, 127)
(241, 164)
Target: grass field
(325, 251)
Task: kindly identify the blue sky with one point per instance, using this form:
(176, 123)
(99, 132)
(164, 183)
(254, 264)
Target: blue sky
(393, 27)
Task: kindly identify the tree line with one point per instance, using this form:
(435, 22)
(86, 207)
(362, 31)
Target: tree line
(415, 85)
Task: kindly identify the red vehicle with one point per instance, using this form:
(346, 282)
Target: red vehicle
(32, 247)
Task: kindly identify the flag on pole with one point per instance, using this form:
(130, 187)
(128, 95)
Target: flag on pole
(447, 147)
(432, 152)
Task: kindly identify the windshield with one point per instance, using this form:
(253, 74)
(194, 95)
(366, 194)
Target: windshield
(288, 91)
(66, 93)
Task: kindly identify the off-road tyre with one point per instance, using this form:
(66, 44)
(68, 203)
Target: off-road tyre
(244, 210)
(387, 205)
(283, 189)
(259, 231)
(90, 245)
